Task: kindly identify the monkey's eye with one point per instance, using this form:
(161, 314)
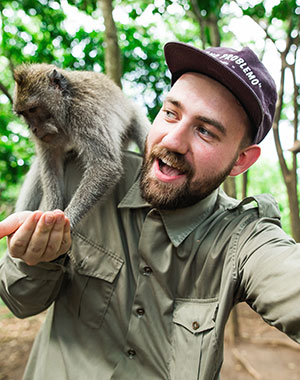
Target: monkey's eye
(32, 110)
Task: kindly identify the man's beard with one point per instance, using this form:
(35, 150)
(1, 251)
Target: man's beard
(168, 196)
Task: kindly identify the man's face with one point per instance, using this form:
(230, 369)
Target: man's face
(193, 144)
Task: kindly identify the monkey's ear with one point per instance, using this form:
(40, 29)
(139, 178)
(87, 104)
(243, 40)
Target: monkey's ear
(19, 75)
(58, 80)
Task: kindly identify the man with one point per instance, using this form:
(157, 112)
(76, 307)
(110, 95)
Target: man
(147, 285)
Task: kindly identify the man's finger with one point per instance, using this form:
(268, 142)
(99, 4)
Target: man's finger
(9, 225)
(56, 237)
(66, 241)
(39, 238)
(19, 241)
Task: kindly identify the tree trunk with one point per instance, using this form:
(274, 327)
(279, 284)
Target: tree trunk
(112, 59)
(245, 184)
(291, 185)
(214, 30)
(208, 23)
(229, 186)
(289, 175)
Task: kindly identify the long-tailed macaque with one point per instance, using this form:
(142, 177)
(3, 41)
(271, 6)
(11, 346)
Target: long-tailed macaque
(79, 111)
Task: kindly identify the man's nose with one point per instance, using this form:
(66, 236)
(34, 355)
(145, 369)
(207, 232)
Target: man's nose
(177, 139)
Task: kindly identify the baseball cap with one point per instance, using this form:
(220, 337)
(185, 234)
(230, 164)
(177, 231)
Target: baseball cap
(239, 70)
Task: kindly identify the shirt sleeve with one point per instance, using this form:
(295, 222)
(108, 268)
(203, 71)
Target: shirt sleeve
(269, 271)
(29, 290)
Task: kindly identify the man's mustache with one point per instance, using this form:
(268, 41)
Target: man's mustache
(173, 159)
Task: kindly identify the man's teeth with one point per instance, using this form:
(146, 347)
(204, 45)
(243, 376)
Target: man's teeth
(165, 162)
(167, 168)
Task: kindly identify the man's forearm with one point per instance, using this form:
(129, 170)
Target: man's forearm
(28, 290)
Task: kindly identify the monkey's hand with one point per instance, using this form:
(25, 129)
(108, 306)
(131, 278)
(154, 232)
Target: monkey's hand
(37, 236)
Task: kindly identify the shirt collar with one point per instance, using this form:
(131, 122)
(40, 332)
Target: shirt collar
(179, 223)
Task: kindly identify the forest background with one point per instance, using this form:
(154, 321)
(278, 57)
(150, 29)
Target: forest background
(125, 40)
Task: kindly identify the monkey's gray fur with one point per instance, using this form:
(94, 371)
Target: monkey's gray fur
(79, 111)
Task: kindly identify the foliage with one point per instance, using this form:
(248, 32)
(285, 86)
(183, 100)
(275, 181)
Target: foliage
(39, 31)
(31, 31)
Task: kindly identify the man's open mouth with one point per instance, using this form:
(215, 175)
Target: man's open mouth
(169, 169)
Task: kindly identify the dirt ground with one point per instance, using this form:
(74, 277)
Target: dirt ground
(262, 352)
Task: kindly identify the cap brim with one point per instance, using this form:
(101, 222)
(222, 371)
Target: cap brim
(182, 58)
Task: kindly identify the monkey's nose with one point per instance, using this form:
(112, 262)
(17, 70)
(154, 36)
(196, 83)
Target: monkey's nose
(36, 132)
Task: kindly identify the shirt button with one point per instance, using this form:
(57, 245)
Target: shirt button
(195, 325)
(147, 271)
(131, 353)
(140, 311)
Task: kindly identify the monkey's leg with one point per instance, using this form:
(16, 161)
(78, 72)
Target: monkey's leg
(98, 180)
(52, 171)
(31, 191)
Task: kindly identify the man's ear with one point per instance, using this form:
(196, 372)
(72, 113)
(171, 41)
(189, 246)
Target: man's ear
(246, 158)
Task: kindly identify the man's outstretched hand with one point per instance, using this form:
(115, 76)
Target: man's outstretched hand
(37, 236)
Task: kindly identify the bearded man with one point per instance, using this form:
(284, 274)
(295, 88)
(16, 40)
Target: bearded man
(144, 287)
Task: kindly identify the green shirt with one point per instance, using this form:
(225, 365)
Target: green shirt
(145, 294)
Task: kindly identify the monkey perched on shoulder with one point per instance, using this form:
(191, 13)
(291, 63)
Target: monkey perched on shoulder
(79, 111)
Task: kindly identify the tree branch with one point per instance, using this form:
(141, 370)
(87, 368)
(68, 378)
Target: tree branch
(112, 51)
(5, 92)
(289, 41)
(200, 20)
(246, 364)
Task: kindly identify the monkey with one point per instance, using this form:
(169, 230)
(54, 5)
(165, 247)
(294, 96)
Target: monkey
(82, 112)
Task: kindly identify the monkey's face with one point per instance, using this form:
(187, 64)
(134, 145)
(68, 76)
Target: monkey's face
(39, 98)
(39, 121)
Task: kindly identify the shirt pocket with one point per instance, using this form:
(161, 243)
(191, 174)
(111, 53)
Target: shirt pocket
(193, 325)
(93, 272)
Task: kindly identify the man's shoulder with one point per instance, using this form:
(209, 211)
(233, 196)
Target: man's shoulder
(132, 162)
(264, 204)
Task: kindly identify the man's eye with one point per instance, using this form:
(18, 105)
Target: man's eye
(204, 131)
(169, 114)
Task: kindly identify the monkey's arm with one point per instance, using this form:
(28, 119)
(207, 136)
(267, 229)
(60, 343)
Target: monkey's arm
(52, 176)
(31, 191)
(139, 128)
(98, 180)
(102, 169)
